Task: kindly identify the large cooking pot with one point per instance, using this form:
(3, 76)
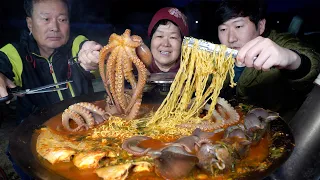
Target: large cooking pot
(305, 125)
(22, 148)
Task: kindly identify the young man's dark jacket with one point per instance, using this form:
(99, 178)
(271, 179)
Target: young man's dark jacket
(22, 63)
(279, 89)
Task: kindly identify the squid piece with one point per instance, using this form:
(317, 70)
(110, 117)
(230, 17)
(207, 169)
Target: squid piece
(118, 172)
(142, 166)
(86, 160)
(56, 155)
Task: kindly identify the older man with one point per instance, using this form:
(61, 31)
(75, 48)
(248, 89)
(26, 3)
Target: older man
(45, 55)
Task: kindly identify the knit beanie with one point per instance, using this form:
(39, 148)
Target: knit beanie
(172, 14)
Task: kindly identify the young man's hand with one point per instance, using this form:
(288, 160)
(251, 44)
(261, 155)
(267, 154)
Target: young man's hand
(263, 53)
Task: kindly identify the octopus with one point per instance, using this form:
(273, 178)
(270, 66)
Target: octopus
(119, 55)
(223, 115)
(84, 114)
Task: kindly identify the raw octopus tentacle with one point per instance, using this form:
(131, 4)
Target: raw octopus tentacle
(94, 109)
(142, 78)
(119, 83)
(110, 76)
(206, 126)
(67, 115)
(202, 142)
(233, 115)
(103, 54)
(128, 74)
(105, 51)
(135, 109)
(221, 111)
(85, 113)
(219, 116)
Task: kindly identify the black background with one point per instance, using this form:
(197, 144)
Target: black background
(97, 19)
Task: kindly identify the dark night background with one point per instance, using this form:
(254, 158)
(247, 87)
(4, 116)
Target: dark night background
(97, 19)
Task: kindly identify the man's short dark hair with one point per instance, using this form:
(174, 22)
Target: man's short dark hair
(28, 6)
(228, 9)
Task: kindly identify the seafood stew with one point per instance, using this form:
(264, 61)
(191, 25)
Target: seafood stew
(185, 137)
(22, 147)
(282, 145)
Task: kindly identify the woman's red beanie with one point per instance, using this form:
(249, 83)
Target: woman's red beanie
(172, 14)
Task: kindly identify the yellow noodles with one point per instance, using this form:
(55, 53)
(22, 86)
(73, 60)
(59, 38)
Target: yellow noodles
(192, 88)
(116, 127)
(199, 79)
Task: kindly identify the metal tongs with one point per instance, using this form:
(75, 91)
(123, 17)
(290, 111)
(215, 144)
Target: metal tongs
(210, 47)
(42, 89)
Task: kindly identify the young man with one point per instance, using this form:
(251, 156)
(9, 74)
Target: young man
(274, 70)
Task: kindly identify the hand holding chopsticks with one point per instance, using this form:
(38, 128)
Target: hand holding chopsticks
(260, 53)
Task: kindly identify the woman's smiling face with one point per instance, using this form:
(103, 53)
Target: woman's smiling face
(166, 46)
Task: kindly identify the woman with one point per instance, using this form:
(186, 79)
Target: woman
(166, 30)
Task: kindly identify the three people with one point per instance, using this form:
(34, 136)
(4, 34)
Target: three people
(45, 55)
(166, 30)
(276, 70)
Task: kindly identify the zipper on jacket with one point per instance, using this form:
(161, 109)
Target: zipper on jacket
(53, 74)
(54, 78)
(55, 81)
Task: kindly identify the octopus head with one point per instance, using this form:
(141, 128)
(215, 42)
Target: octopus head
(173, 162)
(223, 157)
(256, 122)
(214, 156)
(237, 138)
(206, 156)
